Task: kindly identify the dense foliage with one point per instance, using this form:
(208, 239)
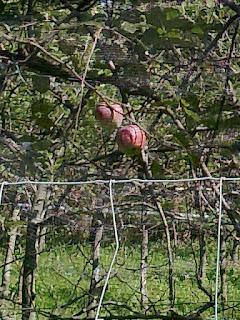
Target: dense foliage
(175, 68)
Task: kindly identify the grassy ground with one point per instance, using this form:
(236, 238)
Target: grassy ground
(62, 281)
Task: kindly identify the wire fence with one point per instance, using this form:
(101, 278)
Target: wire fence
(146, 246)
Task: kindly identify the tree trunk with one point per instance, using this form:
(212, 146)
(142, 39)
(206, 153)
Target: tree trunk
(95, 290)
(223, 274)
(144, 267)
(202, 252)
(6, 277)
(5, 305)
(175, 234)
(234, 252)
(31, 251)
(170, 255)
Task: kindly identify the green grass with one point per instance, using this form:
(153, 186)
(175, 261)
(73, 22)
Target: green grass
(64, 274)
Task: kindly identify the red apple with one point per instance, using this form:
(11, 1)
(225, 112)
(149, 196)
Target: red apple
(131, 138)
(110, 116)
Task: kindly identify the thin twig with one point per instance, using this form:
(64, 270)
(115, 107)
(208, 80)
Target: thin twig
(97, 35)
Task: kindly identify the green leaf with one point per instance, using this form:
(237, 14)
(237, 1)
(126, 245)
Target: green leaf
(129, 27)
(155, 17)
(132, 16)
(151, 38)
(168, 18)
(157, 170)
(210, 3)
(67, 47)
(195, 158)
(41, 145)
(171, 13)
(40, 83)
(192, 100)
(41, 107)
(183, 139)
(44, 123)
(230, 123)
(193, 115)
(198, 30)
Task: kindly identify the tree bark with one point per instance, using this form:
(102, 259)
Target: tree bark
(223, 274)
(31, 251)
(5, 305)
(234, 252)
(170, 255)
(9, 257)
(144, 266)
(202, 251)
(94, 290)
